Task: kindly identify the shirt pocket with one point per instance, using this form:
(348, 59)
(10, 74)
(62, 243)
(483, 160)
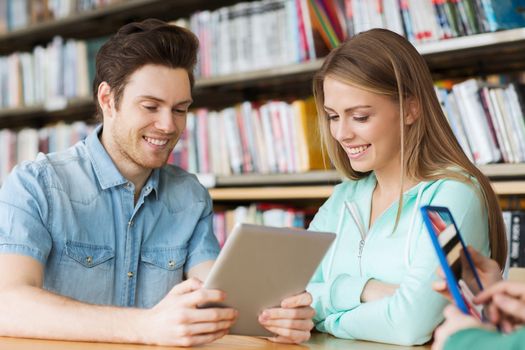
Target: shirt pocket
(86, 273)
(160, 269)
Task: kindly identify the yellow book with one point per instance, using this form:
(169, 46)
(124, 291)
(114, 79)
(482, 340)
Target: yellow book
(309, 146)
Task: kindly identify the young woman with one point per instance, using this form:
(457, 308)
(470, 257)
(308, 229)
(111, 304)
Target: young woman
(385, 131)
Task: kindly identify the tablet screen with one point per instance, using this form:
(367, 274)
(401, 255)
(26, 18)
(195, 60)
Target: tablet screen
(457, 257)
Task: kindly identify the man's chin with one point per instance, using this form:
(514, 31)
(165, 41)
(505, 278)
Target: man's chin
(154, 164)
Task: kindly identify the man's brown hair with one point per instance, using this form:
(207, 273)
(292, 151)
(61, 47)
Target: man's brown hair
(137, 44)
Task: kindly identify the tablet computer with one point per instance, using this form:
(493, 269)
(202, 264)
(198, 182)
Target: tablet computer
(462, 279)
(260, 266)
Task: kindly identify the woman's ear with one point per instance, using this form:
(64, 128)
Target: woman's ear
(412, 111)
(105, 99)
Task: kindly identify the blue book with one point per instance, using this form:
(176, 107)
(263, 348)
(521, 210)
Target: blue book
(504, 14)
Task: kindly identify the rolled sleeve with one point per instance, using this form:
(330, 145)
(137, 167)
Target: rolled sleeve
(23, 215)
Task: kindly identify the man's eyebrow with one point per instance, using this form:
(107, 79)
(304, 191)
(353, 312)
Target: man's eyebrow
(150, 97)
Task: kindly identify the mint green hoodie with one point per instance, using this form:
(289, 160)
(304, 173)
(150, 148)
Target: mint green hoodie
(404, 257)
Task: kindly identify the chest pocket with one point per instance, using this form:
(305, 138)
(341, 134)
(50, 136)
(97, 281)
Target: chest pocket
(160, 269)
(86, 272)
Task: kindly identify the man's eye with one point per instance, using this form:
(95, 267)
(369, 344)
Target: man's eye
(150, 108)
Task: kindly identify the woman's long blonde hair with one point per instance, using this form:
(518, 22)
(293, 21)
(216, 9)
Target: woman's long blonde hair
(385, 63)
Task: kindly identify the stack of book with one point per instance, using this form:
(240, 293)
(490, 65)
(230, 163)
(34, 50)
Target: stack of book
(277, 215)
(16, 147)
(18, 14)
(487, 119)
(273, 137)
(62, 70)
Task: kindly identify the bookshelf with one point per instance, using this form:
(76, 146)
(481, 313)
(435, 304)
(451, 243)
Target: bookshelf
(478, 54)
(463, 56)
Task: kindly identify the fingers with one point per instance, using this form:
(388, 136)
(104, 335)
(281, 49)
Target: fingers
(206, 315)
(200, 339)
(303, 299)
(202, 297)
(451, 311)
(202, 328)
(289, 336)
(510, 306)
(485, 266)
(300, 325)
(477, 258)
(187, 286)
(439, 286)
(493, 313)
(515, 289)
(293, 314)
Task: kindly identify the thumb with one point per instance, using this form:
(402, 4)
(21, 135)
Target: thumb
(185, 287)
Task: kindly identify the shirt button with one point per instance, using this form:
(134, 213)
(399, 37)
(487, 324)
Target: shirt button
(171, 264)
(89, 260)
(130, 274)
(130, 223)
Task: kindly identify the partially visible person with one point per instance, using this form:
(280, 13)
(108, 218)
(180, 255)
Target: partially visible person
(386, 133)
(505, 308)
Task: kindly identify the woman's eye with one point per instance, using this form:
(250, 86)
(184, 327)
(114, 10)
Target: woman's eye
(361, 118)
(331, 117)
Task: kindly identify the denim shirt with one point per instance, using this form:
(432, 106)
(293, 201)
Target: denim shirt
(74, 212)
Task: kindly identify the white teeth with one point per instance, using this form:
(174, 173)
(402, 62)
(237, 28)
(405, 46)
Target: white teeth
(156, 141)
(356, 150)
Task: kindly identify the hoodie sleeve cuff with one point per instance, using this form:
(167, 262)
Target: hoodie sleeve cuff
(345, 292)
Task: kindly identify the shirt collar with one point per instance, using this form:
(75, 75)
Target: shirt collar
(106, 172)
(153, 182)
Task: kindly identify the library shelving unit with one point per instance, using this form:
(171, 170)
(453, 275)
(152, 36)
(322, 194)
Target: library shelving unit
(480, 54)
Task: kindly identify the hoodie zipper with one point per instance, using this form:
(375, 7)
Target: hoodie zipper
(355, 215)
(361, 246)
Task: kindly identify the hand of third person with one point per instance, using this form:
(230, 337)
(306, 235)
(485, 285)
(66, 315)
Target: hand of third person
(507, 304)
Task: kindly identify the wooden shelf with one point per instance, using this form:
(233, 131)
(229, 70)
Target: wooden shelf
(40, 115)
(321, 192)
(484, 40)
(509, 188)
(311, 177)
(242, 78)
(495, 171)
(270, 193)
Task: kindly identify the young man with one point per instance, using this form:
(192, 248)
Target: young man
(95, 241)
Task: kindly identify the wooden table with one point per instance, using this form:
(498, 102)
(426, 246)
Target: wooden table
(230, 342)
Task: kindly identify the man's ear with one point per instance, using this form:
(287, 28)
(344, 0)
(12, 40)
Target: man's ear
(105, 99)
(412, 111)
